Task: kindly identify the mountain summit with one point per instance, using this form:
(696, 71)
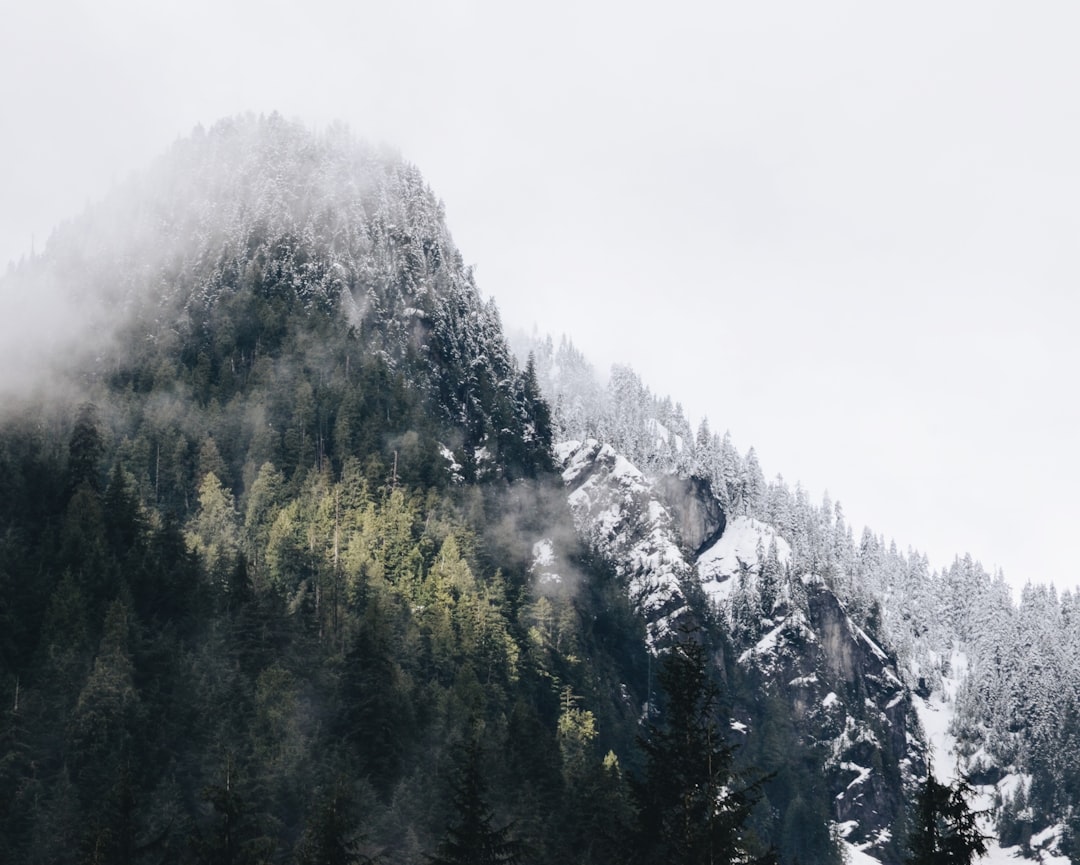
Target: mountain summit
(298, 563)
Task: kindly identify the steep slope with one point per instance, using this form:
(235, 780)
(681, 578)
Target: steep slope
(802, 655)
(264, 556)
(307, 533)
(218, 252)
(1016, 709)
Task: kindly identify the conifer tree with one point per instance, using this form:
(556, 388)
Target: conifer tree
(473, 839)
(331, 837)
(944, 830)
(85, 448)
(692, 809)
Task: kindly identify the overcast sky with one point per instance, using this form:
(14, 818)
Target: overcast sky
(846, 232)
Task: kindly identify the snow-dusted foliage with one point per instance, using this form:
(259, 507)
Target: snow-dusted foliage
(1016, 705)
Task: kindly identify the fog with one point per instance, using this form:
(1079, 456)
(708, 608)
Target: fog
(843, 232)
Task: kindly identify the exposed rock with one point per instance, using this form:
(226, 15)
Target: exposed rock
(619, 514)
(698, 516)
(844, 690)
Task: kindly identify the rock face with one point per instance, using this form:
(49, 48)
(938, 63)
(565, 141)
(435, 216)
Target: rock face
(798, 647)
(620, 514)
(697, 512)
(845, 691)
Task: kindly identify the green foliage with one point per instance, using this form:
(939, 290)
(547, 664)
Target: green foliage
(943, 828)
(692, 808)
(472, 837)
(331, 837)
(281, 581)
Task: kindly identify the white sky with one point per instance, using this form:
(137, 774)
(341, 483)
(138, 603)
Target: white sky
(847, 232)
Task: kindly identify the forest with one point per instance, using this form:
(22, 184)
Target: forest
(270, 585)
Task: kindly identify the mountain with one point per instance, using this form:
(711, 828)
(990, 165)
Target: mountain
(298, 562)
(956, 667)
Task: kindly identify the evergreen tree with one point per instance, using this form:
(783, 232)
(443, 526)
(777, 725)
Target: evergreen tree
(331, 837)
(472, 838)
(85, 448)
(944, 831)
(692, 808)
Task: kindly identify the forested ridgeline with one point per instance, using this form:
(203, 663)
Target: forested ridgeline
(1018, 703)
(266, 549)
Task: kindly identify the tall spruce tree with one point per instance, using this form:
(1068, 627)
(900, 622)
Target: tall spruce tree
(944, 831)
(693, 810)
(473, 839)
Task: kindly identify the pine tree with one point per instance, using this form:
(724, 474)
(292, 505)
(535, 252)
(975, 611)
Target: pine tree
(473, 839)
(85, 448)
(692, 809)
(945, 831)
(331, 837)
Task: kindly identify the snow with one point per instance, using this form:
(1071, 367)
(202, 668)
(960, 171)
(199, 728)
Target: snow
(563, 450)
(744, 538)
(616, 509)
(543, 553)
(455, 467)
(861, 774)
(855, 856)
(544, 563)
(996, 855)
(936, 716)
(830, 700)
(766, 645)
(662, 435)
(802, 681)
(1011, 783)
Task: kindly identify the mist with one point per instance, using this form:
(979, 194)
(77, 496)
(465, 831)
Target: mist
(842, 233)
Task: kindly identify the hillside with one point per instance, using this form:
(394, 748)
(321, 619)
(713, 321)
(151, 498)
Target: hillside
(994, 681)
(298, 563)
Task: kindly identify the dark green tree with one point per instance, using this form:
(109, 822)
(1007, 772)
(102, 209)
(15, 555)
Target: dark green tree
(332, 837)
(944, 830)
(473, 839)
(236, 836)
(376, 715)
(692, 807)
(85, 449)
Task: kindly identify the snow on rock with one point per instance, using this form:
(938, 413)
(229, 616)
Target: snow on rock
(563, 451)
(619, 513)
(543, 566)
(936, 716)
(855, 854)
(454, 467)
(743, 544)
(861, 773)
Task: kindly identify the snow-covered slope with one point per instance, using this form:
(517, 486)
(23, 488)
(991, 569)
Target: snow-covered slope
(742, 548)
(619, 514)
(937, 714)
(792, 634)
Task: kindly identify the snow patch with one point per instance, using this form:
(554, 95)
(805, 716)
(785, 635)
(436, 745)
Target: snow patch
(454, 466)
(742, 546)
(543, 563)
(861, 774)
(856, 855)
